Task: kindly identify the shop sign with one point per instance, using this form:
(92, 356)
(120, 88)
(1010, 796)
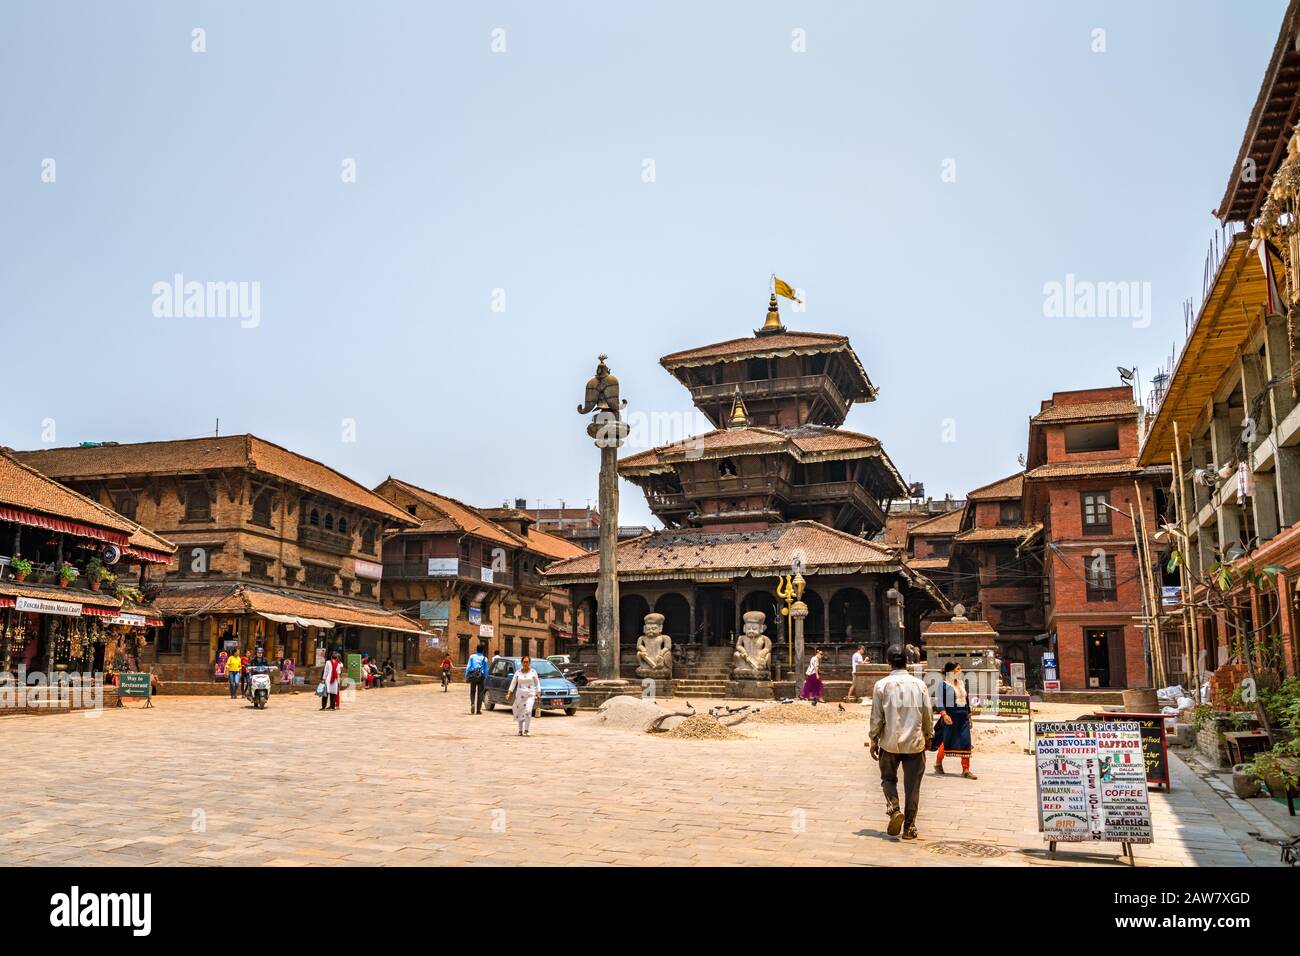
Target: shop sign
(486, 575)
(1092, 782)
(129, 620)
(439, 612)
(354, 667)
(443, 567)
(485, 630)
(44, 606)
(369, 569)
(476, 615)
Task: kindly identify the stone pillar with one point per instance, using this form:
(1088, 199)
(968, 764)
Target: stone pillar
(798, 613)
(1222, 438)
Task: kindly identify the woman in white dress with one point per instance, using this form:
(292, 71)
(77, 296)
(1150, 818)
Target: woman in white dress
(525, 687)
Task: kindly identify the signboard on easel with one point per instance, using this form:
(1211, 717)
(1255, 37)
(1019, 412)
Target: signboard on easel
(1092, 783)
(135, 685)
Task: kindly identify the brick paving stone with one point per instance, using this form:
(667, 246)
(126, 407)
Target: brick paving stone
(435, 786)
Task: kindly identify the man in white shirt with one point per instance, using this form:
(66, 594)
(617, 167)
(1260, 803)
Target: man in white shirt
(902, 723)
(859, 656)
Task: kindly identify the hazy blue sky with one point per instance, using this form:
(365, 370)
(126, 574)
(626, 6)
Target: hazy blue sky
(523, 171)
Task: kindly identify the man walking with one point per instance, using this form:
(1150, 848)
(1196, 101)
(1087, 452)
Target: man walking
(902, 724)
(476, 669)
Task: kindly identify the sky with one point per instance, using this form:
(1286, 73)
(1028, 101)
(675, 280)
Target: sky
(438, 216)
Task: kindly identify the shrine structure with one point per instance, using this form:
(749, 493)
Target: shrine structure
(778, 488)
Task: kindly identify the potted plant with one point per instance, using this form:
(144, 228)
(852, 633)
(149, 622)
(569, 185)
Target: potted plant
(97, 574)
(22, 567)
(129, 593)
(67, 574)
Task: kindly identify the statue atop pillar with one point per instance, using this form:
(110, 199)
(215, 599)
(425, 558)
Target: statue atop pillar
(654, 649)
(753, 657)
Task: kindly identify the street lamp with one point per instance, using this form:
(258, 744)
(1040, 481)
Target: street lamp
(608, 430)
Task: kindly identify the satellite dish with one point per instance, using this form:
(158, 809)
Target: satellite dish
(112, 554)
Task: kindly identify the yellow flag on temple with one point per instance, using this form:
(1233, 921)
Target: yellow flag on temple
(783, 288)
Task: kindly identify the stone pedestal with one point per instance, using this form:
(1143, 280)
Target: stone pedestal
(865, 677)
(599, 691)
(749, 689)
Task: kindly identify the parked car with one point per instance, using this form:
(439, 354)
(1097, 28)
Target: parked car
(558, 692)
(569, 668)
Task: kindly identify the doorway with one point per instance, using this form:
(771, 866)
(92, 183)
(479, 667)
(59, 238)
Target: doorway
(1104, 656)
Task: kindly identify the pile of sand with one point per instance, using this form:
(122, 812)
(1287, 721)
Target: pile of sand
(703, 727)
(803, 713)
(632, 713)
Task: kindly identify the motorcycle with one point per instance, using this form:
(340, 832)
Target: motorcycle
(446, 680)
(259, 686)
(577, 675)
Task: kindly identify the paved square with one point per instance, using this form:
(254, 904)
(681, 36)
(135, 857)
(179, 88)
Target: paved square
(405, 776)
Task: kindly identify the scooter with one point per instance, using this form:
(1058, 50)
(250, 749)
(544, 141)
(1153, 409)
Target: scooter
(577, 675)
(260, 686)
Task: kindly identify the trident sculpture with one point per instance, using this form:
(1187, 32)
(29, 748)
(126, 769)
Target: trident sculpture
(789, 589)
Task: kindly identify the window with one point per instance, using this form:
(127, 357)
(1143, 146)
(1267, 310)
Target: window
(343, 526)
(329, 522)
(760, 368)
(510, 647)
(410, 509)
(262, 509)
(1100, 577)
(1103, 436)
(1012, 617)
(368, 540)
(313, 519)
(258, 567)
(319, 577)
(940, 549)
(198, 505)
(1095, 512)
(726, 468)
(124, 504)
(1009, 513)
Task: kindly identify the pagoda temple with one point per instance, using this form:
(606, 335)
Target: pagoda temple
(779, 487)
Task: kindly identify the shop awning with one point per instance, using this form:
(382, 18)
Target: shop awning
(300, 621)
(35, 520)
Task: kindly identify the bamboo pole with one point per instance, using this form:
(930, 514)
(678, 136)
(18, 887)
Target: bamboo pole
(1184, 512)
(1182, 568)
(1153, 596)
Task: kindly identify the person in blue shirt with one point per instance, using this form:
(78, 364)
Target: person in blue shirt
(476, 670)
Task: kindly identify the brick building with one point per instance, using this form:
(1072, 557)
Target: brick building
(579, 525)
(1082, 483)
(275, 549)
(476, 572)
(997, 565)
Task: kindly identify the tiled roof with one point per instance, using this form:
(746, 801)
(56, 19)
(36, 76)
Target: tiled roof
(928, 564)
(752, 346)
(1084, 469)
(1018, 532)
(691, 552)
(553, 546)
(244, 599)
(48, 592)
(772, 346)
(459, 517)
(195, 455)
(1012, 486)
(1086, 412)
(949, 522)
(25, 488)
(807, 443)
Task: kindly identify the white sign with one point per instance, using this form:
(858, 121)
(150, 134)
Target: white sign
(485, 630)
(130, 620)
(1092, 782)
(487, 575)
(443, 567)
(368, 569)
(42, 606)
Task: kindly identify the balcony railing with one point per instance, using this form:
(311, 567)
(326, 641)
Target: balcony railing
(422, 570)
(770, 388)
(311, 536)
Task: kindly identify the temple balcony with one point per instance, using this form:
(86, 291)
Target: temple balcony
(814, 392)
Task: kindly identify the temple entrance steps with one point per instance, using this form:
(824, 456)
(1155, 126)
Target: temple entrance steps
(688, 687)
